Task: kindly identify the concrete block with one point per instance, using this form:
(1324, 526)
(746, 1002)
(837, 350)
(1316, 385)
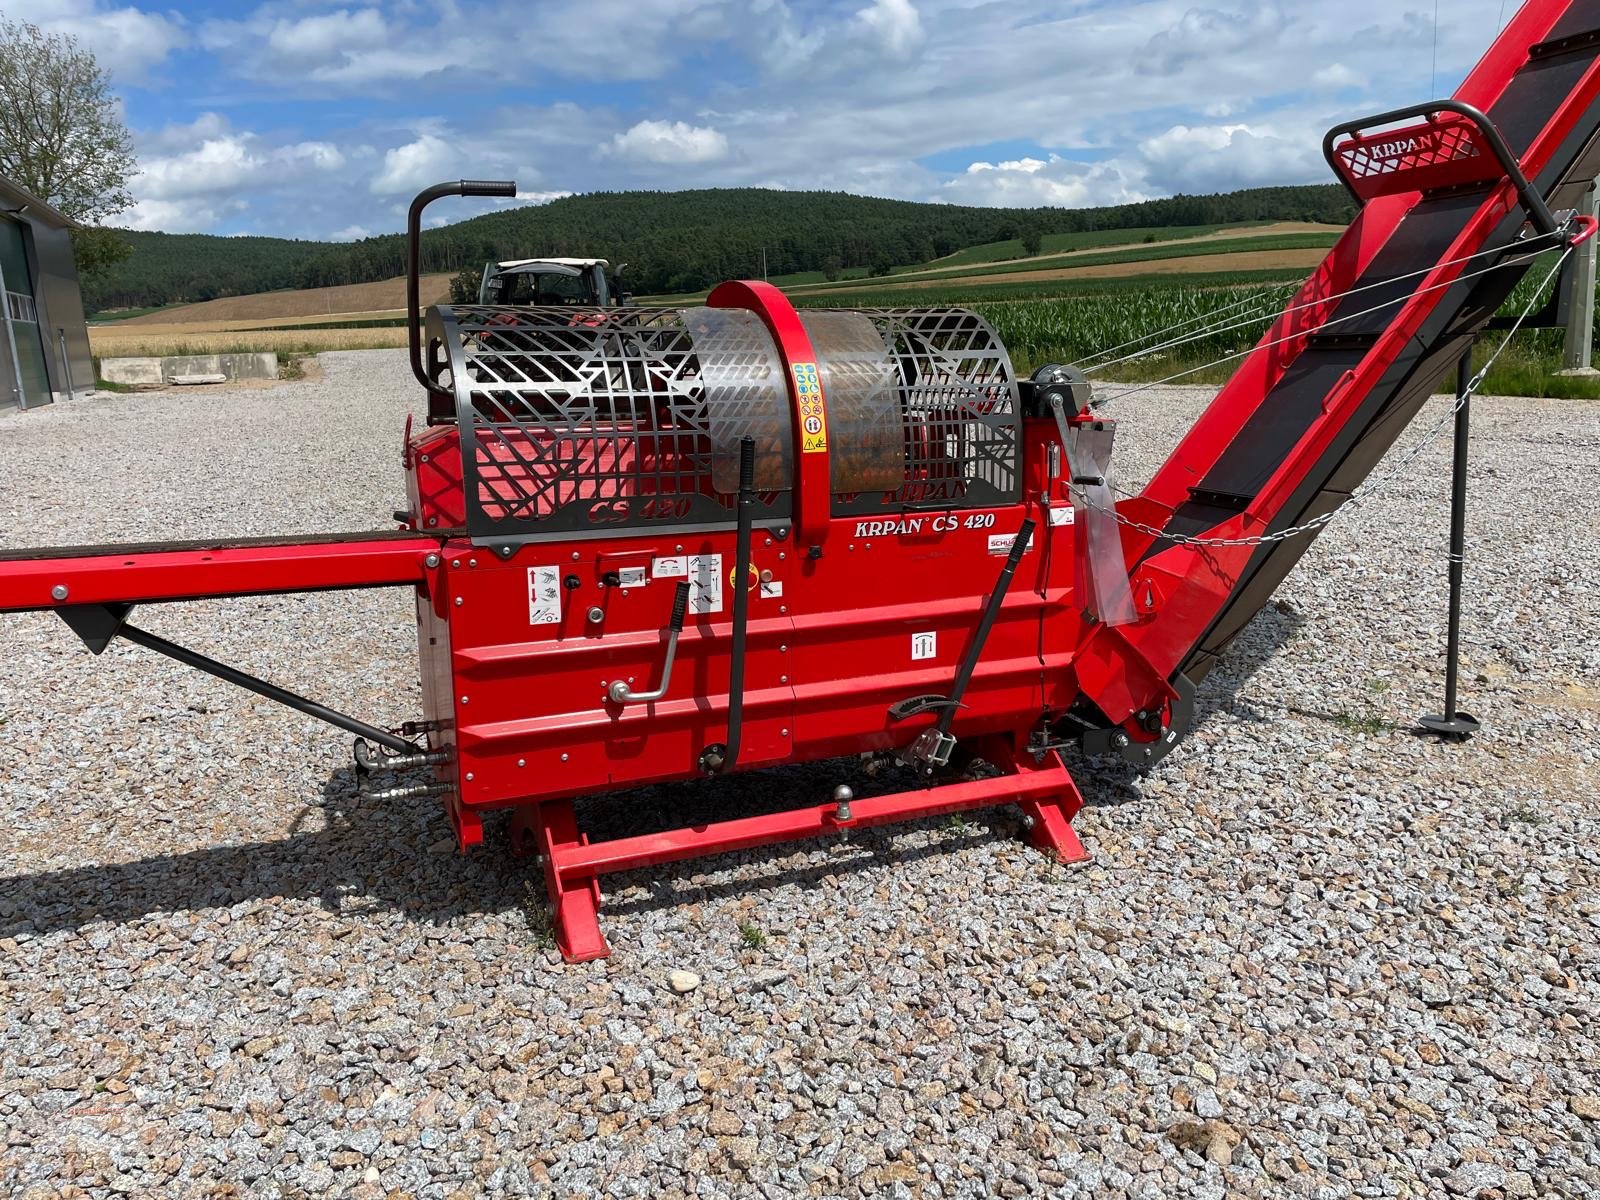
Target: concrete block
(188, 369)
(133, 372)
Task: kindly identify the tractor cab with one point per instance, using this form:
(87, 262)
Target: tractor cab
(548, 283)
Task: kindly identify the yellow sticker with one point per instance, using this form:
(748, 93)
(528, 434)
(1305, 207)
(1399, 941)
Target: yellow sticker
(813, 417)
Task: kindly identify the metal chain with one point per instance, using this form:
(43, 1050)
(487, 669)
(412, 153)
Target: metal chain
(1366, 490)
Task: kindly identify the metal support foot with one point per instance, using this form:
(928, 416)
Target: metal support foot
(574, 904)
(1050, 822)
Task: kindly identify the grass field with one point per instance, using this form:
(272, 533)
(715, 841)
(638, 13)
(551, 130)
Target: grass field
(383, 296)
(1085, 292)
(160, 343)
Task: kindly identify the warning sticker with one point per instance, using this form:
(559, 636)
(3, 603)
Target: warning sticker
(1064, 515)
(705, 583)
(813, 416)
(544, 595)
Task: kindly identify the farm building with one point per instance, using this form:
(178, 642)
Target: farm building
(44, 345)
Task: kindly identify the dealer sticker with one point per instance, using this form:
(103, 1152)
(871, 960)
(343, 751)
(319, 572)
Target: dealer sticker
(1001, 543)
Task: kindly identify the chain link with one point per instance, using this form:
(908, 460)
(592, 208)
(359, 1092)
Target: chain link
(1366, 490)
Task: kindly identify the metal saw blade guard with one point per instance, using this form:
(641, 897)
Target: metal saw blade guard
(609, 422)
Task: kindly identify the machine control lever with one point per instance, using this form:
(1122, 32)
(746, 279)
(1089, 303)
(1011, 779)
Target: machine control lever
(621, 693)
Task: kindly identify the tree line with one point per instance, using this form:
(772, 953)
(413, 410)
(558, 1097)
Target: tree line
(670, 241)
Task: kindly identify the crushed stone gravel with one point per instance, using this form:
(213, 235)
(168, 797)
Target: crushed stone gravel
(1314, 956)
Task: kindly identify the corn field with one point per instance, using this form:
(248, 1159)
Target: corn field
(1222, 321)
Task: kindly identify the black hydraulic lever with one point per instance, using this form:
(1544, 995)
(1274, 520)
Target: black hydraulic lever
(932, 748)
(720, 758)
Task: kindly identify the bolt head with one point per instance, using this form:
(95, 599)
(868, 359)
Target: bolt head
(564, 757)
(469, 776)
(431, 561)
(459, 601)
(596, 615)
(59, 592)
(522, 762)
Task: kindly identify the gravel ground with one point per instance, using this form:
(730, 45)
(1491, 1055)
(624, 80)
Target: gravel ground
(1314, 955)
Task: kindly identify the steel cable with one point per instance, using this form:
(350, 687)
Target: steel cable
(1372, 486)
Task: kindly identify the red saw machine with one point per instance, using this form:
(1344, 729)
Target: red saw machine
(652, 544)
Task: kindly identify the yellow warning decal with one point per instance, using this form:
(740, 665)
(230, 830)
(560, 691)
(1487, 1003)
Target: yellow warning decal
(813, 417)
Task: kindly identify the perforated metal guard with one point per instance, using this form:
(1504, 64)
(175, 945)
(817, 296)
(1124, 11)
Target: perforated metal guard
(957, 408)
(609, 423)
(1445, 152)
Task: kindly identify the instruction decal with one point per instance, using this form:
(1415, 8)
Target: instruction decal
(924, 645)
(676, 567)
(813, 416)
(544, 595)
(705, 583)
(1065, 515)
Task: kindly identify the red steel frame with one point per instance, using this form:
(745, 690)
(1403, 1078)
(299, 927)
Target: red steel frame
(524, 713)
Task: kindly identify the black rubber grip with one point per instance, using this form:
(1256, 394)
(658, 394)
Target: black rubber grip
(489, 187)
(680, 608)
(747, 464)
(1019, 547)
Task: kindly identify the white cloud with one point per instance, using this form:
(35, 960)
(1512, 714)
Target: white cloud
(1336, 75)
(334, 35)
(1143, 98)
(1034, 182)
(182, 216)
(417, 165)
(350, 233)
(194, 176)
(230, 162)
(1210, 158)
(670, 142)
(894, 23)
(126, 41)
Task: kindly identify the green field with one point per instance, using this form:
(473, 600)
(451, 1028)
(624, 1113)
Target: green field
(1066, 243)
(999, 252)
(1126, 255)
(1026, 291)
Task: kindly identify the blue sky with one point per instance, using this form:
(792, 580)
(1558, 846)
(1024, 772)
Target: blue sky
(302, 118)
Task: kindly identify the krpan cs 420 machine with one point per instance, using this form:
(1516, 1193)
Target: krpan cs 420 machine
(659, 544)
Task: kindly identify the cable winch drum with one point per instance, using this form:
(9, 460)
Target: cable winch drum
(612, 421)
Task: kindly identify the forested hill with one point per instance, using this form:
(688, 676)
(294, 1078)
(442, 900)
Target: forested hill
(671, 241)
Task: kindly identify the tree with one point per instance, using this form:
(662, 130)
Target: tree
(832, 268)
(882, 264)
(465, 285)
(62, 136)
(1032, 240)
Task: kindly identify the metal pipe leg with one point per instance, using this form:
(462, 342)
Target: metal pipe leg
(1453, 724)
